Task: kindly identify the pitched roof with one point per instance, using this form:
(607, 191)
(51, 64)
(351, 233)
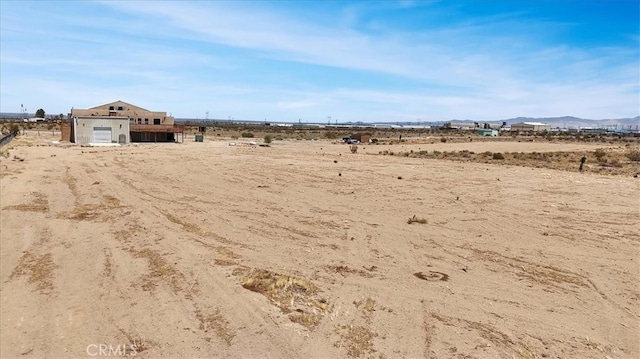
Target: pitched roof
(119, 103)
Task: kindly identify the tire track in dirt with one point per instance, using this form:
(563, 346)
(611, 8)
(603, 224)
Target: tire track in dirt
(428, 330)
(209, 318)
(610, 301)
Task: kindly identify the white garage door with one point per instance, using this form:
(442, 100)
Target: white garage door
(102, 134)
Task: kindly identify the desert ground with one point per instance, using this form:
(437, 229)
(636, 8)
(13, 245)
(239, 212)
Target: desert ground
(305, 250)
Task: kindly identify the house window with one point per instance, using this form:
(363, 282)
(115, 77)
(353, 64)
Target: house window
(120, 108)
(156, 121)
(111, 108)
(139, 121)
(146, 121)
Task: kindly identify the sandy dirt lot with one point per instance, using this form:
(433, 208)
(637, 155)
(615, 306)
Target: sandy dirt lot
(304, 250)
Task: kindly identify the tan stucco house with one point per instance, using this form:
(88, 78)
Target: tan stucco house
(144, 125)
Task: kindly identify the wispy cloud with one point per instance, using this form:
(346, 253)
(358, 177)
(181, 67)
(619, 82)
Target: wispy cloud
(256, 59)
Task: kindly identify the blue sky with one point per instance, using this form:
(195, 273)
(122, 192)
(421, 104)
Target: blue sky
(351, 60)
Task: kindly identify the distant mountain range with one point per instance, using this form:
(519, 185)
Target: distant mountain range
(561, 122)
(570, 121)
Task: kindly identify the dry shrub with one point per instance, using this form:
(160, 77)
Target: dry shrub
(527, 351)
(285, 292)
(357, 340)
(599, 153)
(415, 219)
(633, 155)
(309, 320)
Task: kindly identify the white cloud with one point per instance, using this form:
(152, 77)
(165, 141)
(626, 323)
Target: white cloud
(193, 57)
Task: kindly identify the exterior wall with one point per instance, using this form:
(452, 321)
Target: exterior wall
(83, 128)
(525, 127)
(67, 132)
(521, 127)
(123, 109)
(152, 137)
(541, 128)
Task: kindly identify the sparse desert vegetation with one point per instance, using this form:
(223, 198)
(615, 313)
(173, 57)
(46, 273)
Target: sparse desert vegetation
(611, 161)
(419, 248)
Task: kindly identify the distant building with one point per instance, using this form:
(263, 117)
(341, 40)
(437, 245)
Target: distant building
(461, 126)
(361, 137)
(487, 132)
(34, 119)
(143, 125)
(530, 127)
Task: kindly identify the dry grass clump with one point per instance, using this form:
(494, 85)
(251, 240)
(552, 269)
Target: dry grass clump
(110, 201)
(85, 212)
(227, 252)
(633, 155)
(288, 292)
(39, 204)
(528, 351)
(38, 268)
(309, 320)
(283, 290)
(159, 269)
(216, 322)
(92, 211)
(108, 271)
(368, 304)
(344, 270)
(71, 182)
(189, 227)
(357, 340)
(543, 274)
(415, 219)
(240, 270)
(138, 342)
(224, 262)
